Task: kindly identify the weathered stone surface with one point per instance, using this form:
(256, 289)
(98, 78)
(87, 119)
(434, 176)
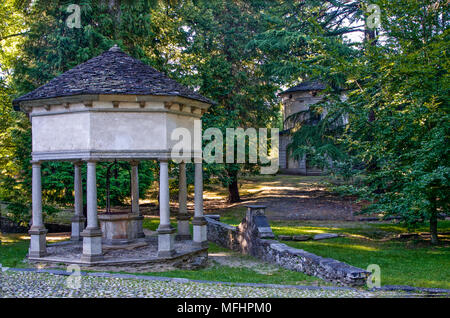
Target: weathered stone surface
(23, 283)
(285, 237)
(119, 228)
(324, 236)
(301, 237)
(244, 238)
(214, 216)
(137, 258)
(112, 72)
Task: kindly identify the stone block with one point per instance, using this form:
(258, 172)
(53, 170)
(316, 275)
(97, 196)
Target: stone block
(301, 237)
(213, 216)
(166, 245)
(324, 236)
(285, 237)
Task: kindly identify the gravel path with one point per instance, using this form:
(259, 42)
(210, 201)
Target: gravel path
(33, 284)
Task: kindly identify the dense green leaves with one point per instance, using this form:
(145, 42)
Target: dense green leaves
(392, 89)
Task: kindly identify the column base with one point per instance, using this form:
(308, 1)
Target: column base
(200, 236)
(38, 245)
(184, 232)
(92, 245)
(139, 226)
(166, 241)
(77, 228)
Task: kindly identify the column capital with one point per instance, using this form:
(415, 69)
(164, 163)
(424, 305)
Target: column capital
(183, 217)
(91, 232)
(77, 162)
(134, 162)
(37, 230)
(165, 229)
(163, 160)
(91, 160)
(35, 162)
(78, 218)
(199, 220)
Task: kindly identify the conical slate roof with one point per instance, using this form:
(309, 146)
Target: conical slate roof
(112, 72)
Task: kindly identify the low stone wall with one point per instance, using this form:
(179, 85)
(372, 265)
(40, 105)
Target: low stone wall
(8, 226)
(246, 238)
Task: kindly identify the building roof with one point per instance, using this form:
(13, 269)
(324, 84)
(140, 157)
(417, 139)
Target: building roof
(306, 86)
(112, 72)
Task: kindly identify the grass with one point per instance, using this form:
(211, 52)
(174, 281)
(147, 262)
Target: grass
(14, 248)
(412, 262)
(221, 273)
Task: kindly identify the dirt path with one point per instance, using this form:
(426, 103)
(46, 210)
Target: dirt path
(288, 198)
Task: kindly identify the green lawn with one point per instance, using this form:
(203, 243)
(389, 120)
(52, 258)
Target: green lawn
(14, 248)
(241, 274)
(412, 262)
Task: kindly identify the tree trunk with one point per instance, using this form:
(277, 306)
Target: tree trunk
(233, 192)
(433, 224)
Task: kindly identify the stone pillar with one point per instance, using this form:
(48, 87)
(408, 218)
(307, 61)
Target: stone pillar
(166, 233)
(37, 231)
(183, 217)
(78, 219)
(256, 215)
(199, 222)
(92, 235)
(135, 200)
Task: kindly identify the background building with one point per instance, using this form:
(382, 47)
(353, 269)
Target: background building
(296, 99)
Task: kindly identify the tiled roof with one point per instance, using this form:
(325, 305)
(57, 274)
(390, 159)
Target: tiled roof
(112, 72)
(306, 86)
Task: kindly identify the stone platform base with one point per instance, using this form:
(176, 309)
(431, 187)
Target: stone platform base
(141, 256)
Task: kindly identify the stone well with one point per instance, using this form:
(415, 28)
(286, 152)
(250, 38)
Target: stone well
(120, 228)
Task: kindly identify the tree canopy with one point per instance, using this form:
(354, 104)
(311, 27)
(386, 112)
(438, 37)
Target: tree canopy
(391, 87)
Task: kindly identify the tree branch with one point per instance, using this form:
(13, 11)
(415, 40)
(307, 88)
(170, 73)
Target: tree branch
(12, 35)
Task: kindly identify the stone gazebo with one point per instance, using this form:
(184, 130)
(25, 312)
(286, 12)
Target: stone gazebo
(114, 107)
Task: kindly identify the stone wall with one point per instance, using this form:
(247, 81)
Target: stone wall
(247, 238)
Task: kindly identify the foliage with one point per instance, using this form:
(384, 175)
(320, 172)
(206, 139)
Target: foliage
(225, 69)
(316, 133)
(48, 49)
(400, 116)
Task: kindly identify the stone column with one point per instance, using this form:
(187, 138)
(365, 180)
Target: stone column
(37, 231)
(183, 217)
(199, 222)
(166, 233)
(92, 235)
(138, 218)
(78, 219)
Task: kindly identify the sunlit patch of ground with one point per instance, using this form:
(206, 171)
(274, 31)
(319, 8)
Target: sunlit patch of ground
(231, 259)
